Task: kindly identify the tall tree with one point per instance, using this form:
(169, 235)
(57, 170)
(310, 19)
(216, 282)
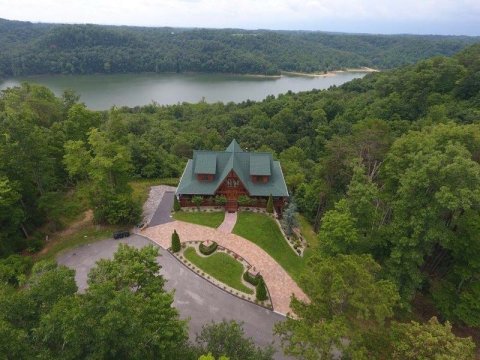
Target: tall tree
(346, 296)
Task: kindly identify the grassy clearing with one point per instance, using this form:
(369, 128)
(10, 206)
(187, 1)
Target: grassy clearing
(220, 266)
(263, 231)
(65, 241)
(306, 229)
(77, 228)
(210, 219)
(141, 187)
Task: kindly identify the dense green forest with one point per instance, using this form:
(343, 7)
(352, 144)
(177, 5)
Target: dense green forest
(39, 49)
(386, 168)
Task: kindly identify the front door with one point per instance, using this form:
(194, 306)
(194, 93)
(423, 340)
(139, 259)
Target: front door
(232, 203)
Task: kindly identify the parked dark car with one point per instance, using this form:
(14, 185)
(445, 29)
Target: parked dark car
(121, 234)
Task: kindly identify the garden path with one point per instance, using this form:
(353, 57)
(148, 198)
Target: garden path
(280, 285)
(229, 222)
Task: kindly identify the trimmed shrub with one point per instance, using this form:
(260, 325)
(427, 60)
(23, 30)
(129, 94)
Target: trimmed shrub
(261, 292)
(243, 200)
(250, 279)
(208, 250)
(197, 200)
(176, 246)
(176, 204)
(220, 200)
(270, 204)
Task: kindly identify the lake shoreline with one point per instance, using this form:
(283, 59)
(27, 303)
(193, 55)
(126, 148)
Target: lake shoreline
(283, 73)
(331, 73)
(101, 92)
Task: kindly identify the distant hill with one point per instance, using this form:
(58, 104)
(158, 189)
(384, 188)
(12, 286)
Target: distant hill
(37, 49)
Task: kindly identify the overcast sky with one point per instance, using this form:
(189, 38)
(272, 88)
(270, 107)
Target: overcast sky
(455, 17)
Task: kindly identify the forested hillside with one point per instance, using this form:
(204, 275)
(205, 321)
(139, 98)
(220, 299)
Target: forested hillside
(386, 166)
(38, 49)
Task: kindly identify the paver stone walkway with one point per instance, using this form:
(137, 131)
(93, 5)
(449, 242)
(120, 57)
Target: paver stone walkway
(280, 284)
(229, 222)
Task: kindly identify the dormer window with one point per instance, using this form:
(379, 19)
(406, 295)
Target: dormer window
(205, 177)
(259, 178)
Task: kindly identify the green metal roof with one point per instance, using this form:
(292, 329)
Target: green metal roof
(234, 147)
(260, 164)
(206, 164)
(239, 161)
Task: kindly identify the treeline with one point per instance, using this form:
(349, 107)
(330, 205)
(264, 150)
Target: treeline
(39, 49)
(386, 166)
(125, 313)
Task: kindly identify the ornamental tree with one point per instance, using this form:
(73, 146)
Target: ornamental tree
(261, 292)
(270, 204)
(176, 246)
(176, 204)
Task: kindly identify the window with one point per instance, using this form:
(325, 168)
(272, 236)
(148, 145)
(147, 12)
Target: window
(233, 182)
(205, 177)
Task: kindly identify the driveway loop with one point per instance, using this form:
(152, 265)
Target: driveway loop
(280, 285)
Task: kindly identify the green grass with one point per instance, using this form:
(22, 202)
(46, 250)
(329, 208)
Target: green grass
(141, 187)
(306, 229)
(263, 231)
(62, 243)
(210, 219)
(221, 266)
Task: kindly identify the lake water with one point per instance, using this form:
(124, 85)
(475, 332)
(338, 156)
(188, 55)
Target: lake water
(100, 92)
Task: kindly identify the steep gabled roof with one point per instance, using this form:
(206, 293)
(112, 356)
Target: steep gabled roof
(244, 164)
(260, 164)
(206, 164)
(234, 147)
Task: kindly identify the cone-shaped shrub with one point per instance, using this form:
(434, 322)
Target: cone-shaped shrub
(261, 291)
(176, 246)
(176, 204)
(270, 204)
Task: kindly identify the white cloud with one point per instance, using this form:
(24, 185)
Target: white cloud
(387, 16)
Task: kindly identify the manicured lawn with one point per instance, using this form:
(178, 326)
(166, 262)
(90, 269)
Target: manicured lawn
(220, 266)
(263, 231)
(210, 219)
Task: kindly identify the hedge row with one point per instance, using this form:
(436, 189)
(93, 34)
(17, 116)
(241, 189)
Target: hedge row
(251, 280)
(208, 250)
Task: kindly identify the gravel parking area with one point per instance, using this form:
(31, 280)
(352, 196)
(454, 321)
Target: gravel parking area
(154, 198)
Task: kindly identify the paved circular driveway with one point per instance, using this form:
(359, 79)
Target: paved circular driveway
(194, 297)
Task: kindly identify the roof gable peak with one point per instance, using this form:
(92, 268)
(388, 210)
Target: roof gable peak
(234, 147)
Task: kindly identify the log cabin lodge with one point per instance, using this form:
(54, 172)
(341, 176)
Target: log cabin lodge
(233, 173)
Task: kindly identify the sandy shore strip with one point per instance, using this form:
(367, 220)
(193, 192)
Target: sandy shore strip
(331, 73)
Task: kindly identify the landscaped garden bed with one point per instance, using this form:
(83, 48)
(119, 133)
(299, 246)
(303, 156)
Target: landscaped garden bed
(225, 269)
(221, 266)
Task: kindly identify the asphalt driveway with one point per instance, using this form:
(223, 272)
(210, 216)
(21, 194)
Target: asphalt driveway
(194, 297)
(162, 214)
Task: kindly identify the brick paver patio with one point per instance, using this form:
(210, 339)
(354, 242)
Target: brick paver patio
(228, 223)
(279, 283)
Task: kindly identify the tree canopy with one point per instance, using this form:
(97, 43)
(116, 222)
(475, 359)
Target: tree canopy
(34, 49)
